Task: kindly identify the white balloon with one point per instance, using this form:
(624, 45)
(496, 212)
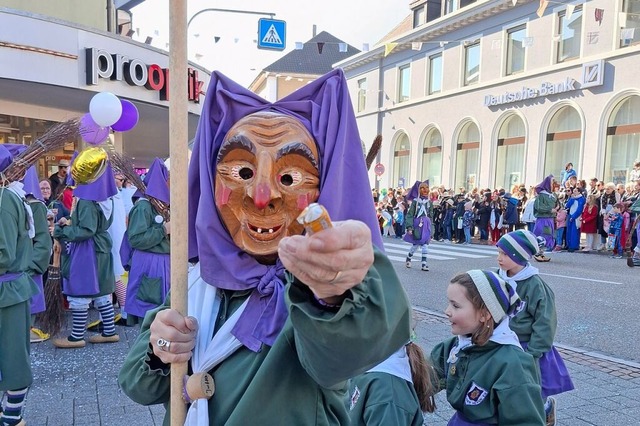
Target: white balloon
(105, 108)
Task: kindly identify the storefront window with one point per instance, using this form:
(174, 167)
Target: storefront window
(432, 157)
(510, 153)
(623, 140)
(563, 142)
(570, 33)
(401, 158)
(467, 156)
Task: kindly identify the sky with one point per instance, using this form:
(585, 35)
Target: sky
(236, 54)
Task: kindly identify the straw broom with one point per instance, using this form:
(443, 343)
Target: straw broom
(373, 151)
(52, 318)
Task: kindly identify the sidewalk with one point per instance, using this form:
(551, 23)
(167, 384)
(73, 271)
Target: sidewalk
(79, 387)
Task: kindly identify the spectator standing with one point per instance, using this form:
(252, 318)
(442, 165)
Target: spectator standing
(58, 178)
(590, 223)
(561, 224)
(510, 217)
(634, 174)
(567, 174)
(574, 206)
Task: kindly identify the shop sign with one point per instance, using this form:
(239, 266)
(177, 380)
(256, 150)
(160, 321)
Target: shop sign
(102, 64)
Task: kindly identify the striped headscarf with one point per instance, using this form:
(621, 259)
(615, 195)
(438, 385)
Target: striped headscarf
(499, 296)
(519, 245)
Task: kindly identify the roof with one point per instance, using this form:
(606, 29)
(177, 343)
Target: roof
(308, 60)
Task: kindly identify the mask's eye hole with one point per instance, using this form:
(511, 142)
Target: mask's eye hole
(291, 178)
(242, 172)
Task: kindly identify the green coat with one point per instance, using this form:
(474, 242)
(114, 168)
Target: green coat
(302, 379)
(537, 322)
(383, 399)
(88, 221)
(144, 232)
(16, 250)
(543, 205)
(42, 241)
(504, 376)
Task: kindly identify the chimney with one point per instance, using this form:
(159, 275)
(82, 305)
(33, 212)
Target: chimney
(314, 30)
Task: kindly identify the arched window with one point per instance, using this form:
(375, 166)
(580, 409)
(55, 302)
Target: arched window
(510, 153)
(432, 158)
(563, 142)
(401, 158)
(467, 156)
(623, 140)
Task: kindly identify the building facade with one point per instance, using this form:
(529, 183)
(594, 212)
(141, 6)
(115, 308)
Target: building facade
(495, 93)
(51, 67)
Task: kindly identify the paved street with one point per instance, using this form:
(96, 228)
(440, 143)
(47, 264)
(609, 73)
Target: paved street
(79, 387)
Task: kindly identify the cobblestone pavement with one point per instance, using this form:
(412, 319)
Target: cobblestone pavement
(78, 387)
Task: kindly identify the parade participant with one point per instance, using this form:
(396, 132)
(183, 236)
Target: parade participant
(148, 236)
(395, 392)
(255, 167)
(536, 322)
(489, 379)
(87, 265)
(42, 245)
(418, 222)
(16, 289)
(544, 210)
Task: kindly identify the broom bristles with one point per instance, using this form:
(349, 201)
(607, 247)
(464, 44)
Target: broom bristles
(373, 151)
(52, 319)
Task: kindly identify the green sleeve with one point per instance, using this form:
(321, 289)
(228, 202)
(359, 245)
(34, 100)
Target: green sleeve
(520, 400)
(439, 356)
(371, 324)
(8, 233)
(143, 377)
(42, 241)
(143, 231)
(411, 212)
(84, 223)
(545, 321)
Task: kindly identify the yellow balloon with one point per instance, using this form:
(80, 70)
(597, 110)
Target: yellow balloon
(89, 165)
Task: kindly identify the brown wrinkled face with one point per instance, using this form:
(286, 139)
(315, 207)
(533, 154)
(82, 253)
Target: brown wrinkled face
(266, 174)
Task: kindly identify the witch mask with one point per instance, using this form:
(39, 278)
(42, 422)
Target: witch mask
(267, 172)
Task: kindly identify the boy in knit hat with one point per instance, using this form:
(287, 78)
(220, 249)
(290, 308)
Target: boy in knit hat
(535, 322)
(472, 364)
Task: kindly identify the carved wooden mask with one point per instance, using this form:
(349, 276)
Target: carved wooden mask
(267, 173)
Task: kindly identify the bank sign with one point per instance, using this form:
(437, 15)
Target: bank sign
(592, 75)
(114, 66)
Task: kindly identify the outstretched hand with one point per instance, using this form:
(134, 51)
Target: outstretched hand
(331, 261)
(177, 329)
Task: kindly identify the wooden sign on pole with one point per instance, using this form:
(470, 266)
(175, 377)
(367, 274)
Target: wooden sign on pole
(178, 139)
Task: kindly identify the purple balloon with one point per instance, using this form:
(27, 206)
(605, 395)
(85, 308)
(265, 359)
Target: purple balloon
(91, 132)
(128, 119)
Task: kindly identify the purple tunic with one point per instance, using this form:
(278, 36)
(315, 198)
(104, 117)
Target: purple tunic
(554, 374)
(544, 227)
(421, 231)
(149, 282)
(37, 301)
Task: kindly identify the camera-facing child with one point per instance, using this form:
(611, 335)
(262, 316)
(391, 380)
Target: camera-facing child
(472, 364)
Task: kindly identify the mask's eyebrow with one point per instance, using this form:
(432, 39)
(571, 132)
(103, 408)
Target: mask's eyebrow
(297, 148)
(236, 142)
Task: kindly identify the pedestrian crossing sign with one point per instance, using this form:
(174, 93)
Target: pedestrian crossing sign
(272, 34)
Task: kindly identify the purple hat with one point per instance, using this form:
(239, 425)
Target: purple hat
(32, 184)
(414, 192)
(545, 185)
(99, 190)
(9, 153)
(324, 108)
(156, 181)
(69, 181)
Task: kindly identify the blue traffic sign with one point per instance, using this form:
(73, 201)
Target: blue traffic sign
(272, 34)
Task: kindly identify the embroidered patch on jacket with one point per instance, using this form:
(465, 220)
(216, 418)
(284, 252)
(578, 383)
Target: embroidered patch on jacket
(354, 398)
(475, 395)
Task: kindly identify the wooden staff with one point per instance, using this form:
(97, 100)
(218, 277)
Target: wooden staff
(178, 121)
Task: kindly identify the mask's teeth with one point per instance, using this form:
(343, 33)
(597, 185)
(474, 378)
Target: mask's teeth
(271, 230)
(259, 230)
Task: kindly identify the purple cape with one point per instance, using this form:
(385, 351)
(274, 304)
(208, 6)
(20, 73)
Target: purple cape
(324, 108)
(99, 190)
(156, 181)
(32, 184)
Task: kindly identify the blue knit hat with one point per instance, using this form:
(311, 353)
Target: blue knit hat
(519, 245)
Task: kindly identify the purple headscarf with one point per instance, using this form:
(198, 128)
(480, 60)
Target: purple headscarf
(6, 158)
(545, 185)
(99, 190)
(414, 192)
(156, 181)
(325, 109)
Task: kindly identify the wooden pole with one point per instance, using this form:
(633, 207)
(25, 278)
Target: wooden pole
(178, 132)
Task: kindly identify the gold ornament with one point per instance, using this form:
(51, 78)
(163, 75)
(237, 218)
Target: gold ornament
(89, 165)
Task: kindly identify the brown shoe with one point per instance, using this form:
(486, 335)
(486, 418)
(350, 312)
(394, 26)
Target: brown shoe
(69, 344)
(100, 338)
